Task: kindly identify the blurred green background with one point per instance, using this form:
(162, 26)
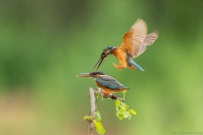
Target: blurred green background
(45, 44)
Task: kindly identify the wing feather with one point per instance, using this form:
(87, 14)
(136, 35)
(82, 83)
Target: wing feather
(149, 40)
(134, 38)
(109, 82)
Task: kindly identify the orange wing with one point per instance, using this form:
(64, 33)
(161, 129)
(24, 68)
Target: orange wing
(134, 38)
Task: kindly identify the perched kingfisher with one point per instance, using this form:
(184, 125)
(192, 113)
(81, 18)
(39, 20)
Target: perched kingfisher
(107, 83)
(134, 44)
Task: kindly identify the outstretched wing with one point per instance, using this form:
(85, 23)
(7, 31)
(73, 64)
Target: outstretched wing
(149, 40)
(134, 38)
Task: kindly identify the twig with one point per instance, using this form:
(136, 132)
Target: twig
(93, 111)
(110, 95)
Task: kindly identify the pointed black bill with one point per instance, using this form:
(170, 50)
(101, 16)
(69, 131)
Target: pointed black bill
(98, 63)
(84, 75)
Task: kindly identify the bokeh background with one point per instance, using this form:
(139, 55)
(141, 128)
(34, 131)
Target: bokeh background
(45, 44)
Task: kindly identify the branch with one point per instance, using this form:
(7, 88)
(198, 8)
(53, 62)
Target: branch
(93, 111)
(92, 94)
(109, 95)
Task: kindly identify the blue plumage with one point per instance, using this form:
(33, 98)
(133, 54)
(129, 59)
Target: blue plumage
(132, 63)
(107, 83)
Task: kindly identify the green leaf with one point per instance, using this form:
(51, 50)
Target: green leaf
(97, 96)
(123, 109)
(122, 104)
(87, 117)
(126, 106)
(119, 114)
(99, 127)
(126, 114)
(98, 116)
(130, 116)
(133, 112)
(118, 102)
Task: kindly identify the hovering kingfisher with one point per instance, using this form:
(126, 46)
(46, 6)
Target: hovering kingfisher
(107, 83)
(134, 44)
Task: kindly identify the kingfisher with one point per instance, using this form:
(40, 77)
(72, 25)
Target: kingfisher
(135, 42)
(107, 83)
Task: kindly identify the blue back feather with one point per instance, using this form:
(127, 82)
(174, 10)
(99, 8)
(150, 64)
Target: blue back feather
(109, 82)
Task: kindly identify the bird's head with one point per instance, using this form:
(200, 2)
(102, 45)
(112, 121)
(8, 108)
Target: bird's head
(91, 74)
(108, 50)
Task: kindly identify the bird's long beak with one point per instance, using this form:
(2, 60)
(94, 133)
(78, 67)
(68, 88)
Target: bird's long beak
(98, 63)
(84, 75)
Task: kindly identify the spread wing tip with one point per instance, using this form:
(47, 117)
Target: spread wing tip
(156, 32)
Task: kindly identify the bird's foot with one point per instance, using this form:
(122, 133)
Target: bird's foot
(118, 67)
(105, 93)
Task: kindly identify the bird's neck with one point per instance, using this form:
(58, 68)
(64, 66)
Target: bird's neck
(114, 51)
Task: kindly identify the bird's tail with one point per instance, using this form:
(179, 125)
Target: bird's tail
(137, 66)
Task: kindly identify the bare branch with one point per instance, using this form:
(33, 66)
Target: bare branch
(93, 111)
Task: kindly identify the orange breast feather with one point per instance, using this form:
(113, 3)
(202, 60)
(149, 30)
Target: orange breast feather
(121, 55)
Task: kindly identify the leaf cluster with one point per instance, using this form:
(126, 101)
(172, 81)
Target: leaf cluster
(123, 110)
